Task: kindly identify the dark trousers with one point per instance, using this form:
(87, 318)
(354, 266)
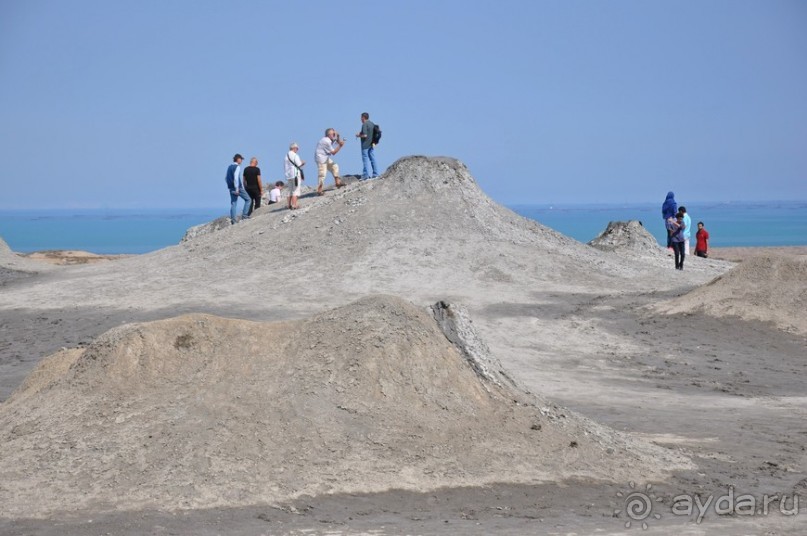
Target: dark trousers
(678, 248)
(255, 194)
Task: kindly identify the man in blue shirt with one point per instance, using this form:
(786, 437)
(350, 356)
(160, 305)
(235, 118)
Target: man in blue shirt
(687, 223)
(235, 184)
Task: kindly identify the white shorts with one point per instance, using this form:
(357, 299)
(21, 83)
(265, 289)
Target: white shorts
(295, 192)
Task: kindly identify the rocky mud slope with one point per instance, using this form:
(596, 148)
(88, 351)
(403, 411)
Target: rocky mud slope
(424, 230)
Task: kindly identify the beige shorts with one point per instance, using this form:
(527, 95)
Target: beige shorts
(323, 169)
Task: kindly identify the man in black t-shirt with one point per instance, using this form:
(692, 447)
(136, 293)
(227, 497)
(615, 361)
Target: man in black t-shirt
(252, 183)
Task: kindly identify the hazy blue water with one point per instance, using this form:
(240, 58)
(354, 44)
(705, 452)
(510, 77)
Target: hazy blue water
(99, 231)
(141, 231)
(729, 224)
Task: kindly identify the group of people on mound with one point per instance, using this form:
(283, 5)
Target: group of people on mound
(678, 223)
(247, 184)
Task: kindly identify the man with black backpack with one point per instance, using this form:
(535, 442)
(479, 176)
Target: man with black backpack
(370, 134)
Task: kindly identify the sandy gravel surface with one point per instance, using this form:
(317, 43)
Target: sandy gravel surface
(740, 254)
(68, 257)
(573, 325)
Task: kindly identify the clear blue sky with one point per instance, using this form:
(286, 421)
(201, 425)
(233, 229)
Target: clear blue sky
(143, 103)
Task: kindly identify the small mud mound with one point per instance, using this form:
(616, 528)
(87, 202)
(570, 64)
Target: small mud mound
(13, 266)
(200, 411)
(206, 228)
(8, 259)
(770, 288)
(627, 237)
(4, 249)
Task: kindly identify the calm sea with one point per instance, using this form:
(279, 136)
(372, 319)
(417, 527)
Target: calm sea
(141, 231)
(729, 224)
(99, 231)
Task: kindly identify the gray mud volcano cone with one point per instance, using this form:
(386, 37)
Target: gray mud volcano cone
(627, 237)
(424, 230)
(201, 411)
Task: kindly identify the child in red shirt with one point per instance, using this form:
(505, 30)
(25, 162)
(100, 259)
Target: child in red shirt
(702, 244)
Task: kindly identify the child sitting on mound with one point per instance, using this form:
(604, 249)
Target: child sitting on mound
(274, 193)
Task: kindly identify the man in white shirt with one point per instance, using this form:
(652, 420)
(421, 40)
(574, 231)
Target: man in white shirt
(292, 166)
(326, 148)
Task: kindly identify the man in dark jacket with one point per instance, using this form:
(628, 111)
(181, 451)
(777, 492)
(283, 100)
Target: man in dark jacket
(235, 185)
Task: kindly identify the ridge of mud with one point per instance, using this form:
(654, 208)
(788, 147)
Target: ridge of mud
(770, 288)
(201, 411)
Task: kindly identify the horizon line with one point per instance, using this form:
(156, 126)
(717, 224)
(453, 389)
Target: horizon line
(507, 204)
